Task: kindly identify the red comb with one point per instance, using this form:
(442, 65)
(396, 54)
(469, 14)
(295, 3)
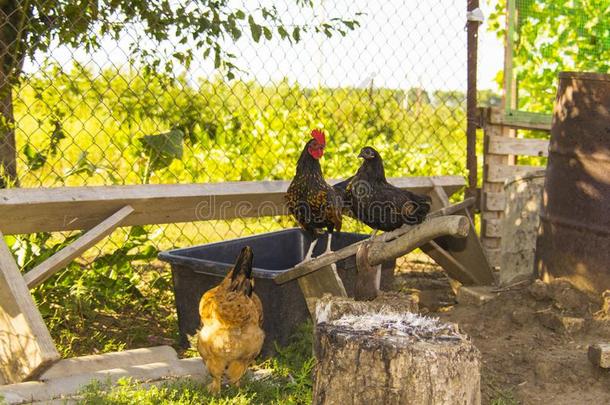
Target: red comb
(318, 135)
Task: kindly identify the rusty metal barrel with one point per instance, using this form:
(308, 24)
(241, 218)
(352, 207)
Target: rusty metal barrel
(574, 235)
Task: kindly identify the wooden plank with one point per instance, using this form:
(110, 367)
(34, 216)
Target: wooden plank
(470, 254)
(523, 120)
(498, 173)
(315, 285)
(504, 145)
(25, 342)
(108, 361)
(316, 263)
(76, 208)
(443, 258)
(439, 198)
(464, 260)
(489, 159)
(59, 260)
(492, 228)
(494, 201)
(450, 226)
(68, 390)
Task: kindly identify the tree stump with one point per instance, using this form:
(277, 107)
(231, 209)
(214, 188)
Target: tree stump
(388, 357)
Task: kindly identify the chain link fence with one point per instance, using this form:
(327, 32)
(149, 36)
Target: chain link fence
(396, 82)
(546, 37)
(89, 115)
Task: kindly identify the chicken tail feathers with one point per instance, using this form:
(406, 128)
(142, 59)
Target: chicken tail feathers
(241, 276)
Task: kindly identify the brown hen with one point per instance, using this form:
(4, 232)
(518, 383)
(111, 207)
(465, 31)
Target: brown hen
(231, 334)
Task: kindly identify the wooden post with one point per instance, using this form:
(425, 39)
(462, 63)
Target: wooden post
(26, 347)
(59, 260)
(472, 27)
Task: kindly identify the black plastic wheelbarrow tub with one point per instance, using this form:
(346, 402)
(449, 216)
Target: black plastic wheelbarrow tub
(197, 269)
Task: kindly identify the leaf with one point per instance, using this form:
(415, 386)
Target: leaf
(255, 29)
(296, 34)
(35, 160)
(282, 31)
(162, 149)
(216, 58)
(56, 136)
(267, 33)
(83, 165)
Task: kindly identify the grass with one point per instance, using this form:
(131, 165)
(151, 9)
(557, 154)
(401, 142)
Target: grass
(289, 382)
(505, 398)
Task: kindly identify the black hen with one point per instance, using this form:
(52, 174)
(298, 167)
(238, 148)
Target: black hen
(310, 199)
(377, 203)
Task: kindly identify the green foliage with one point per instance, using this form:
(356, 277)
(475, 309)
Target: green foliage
(88, 305)
(231, 131)
(552, 36)
(192, 26)
(290, 382)
(161, 150)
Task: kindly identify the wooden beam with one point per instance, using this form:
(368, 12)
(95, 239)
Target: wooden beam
(76, 208)
(504, 145)
(26, 347)
(451, 225)
(444, 259)
(470, 254)
(59, 260)
(439, 198)
(463, 259)
(316, 263)
(523, 120)
(498, 173)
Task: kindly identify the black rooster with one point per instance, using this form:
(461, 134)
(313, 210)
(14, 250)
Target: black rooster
(372, 200)
(310, 199)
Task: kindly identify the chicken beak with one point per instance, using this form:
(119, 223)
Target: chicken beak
(361, 155)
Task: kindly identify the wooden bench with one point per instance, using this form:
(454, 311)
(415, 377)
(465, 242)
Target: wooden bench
(26, 347)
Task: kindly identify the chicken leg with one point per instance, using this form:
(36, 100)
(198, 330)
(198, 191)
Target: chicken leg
(373, 234)
(310, 251)
(330, 238)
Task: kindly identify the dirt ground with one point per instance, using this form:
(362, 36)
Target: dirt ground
(533, 338)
